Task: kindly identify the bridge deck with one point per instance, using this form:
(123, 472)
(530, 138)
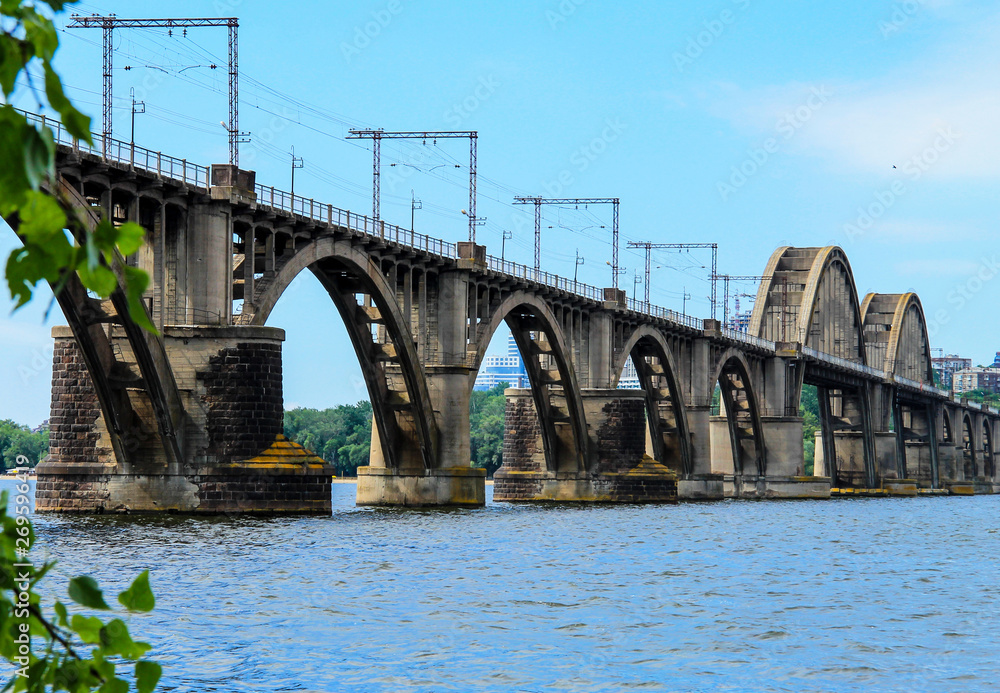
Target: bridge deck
(197, 177)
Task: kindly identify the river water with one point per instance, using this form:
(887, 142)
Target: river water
(839, 595)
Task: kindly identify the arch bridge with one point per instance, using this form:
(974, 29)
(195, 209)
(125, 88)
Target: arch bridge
(191, 420)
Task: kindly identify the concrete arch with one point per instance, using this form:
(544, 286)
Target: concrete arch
(732, 373)
(809, 296)
(648, 342)
(947, 432)
(989, 469)
(896, 339)
(344, 271)
(525, 313)
(971, 466)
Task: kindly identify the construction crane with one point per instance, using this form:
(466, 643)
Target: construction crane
(726, 278)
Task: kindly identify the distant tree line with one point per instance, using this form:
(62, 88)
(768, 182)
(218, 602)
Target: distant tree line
(342, 435)
(809, 411)
(486, 414)
(990, 399)
(16, 439)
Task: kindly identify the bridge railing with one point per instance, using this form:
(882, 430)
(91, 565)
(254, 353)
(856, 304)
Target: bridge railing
(923, 387)
(192, 174)
(322, 212)
(162, 164)
(542, 277)
(665, 313)
(748, 338)
(842, 362)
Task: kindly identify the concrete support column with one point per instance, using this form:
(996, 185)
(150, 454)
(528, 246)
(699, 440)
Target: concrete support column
(208, 290)
(721, 446)
(450, 394)
(785, 446)
(600, 352)
(450, 311)
(453, 482)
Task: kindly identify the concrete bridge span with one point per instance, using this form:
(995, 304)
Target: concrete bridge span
(191, 420)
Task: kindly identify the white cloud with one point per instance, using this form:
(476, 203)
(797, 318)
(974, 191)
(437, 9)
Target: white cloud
(870, 126)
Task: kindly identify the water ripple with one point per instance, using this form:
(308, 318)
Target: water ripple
(845, 595)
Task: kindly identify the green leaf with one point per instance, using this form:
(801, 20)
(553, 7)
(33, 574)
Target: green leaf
(87, 627)
(136, 282)
(22, 275)
(40, 33)
(39, 156)
(84, 591)
(114, 686)
(62, 614)
(115, 639)
(13, 180)
(41, 218)
(130, 238)
(11, 63)
(147, 675)
(76, 124)
(139, 596)
(100, 279)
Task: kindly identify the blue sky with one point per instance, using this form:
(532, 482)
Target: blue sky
(740, 122)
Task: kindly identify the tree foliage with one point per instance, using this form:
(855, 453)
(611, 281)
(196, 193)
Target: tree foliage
(18, 442)
(63, 651)
(486, 415)
(342, 435)
(809, 411)
(990, 399)
(57, 242)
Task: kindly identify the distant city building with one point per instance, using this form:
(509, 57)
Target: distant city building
(996, 360)
(740, 321)
(986, 379)
(629, 379)
(44, 426)
(503, 369)
(947, 366)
